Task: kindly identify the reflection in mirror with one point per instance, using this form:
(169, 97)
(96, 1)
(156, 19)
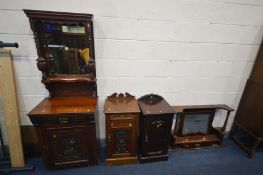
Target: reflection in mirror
(67, 49)
(195, 124)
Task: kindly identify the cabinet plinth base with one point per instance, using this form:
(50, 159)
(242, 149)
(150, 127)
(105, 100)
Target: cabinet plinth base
(195, 142)
(121, 161)
(153, 159)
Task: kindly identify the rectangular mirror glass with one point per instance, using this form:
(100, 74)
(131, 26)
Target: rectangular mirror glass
(67, 48)
(195, 124)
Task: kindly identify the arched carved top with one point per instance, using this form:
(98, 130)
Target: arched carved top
(151, 98)
(121, 95)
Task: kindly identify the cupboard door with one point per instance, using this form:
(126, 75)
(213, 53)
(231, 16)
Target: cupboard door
(67, 144)
(157, 135)
(121, 141)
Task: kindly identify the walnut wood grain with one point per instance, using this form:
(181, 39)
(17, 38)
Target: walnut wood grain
(65, 105)
(150, 105)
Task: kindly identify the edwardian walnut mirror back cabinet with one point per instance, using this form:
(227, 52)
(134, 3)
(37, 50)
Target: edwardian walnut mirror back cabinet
(122, 114)
(65, 122)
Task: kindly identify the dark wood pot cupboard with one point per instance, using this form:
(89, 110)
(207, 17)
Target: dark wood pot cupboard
(155, 125)
(65, 121)
(249, 115)
(122, 114)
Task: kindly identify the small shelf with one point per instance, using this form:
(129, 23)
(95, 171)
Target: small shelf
(69, 79)
(196, 139)
(75, 34)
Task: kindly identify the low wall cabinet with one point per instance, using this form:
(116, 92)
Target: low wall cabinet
(122, 114)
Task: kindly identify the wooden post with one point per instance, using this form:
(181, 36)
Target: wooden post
(9, 99)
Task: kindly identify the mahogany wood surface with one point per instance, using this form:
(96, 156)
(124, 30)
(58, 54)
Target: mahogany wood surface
(69, 79)
(127, 104)
(155, 126)
(152, 104)
(65, 105)
(65, 122)
(197, 139)
(179, 109)
(66, 131)
(122, 113)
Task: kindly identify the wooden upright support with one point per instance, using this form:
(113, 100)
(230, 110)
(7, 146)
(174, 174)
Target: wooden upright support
(9, 99)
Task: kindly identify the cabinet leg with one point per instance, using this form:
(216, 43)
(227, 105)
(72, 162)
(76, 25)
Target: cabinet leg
(233, 131)
(251, 154)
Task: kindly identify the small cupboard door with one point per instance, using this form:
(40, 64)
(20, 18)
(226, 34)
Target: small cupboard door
(121, 143)
(67, 144)
(157, 135)
(121, 138)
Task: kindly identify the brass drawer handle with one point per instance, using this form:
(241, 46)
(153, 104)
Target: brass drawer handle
(109, 139)
(63, 120)
(158, 123)
(146, 138)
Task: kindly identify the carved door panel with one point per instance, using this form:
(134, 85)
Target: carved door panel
(121, 139)
(121, 142)
(157, 135)
(68, 144)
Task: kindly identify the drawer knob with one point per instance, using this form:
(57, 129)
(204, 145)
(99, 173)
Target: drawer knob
(146, 138)
(63, 120)
(109, 139)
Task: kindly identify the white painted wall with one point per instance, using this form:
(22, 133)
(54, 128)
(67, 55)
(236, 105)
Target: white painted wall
(189, 51)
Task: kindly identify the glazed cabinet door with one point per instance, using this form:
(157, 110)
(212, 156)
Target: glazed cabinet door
(67, 145)
(121, 137)
(156, 135)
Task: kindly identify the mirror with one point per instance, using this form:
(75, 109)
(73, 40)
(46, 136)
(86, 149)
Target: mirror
(67, 48)
(196, 124)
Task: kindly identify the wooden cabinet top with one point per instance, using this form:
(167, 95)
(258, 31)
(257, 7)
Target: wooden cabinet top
(65, 105)
(121, 104)
(180, 109)
(153, 104)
